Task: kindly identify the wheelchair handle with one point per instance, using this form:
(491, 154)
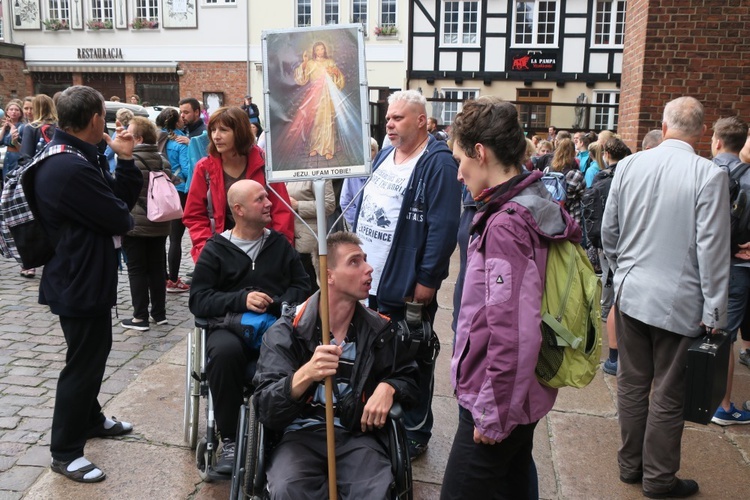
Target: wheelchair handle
(396, 412)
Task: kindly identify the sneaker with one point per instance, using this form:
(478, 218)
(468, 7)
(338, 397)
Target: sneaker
(681, 489)
(177, 286)
(745, 357)
(733, 416)
(746, 406)
(163, 321)
(135, 324)
(416, 449)
(610, 367)
(225, 460)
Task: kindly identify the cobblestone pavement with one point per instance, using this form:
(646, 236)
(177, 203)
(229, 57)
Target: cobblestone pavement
(32, 353)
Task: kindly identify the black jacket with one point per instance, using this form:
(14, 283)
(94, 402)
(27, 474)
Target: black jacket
(290, 343)
(82, 203)
(196, 128)
(224, 275)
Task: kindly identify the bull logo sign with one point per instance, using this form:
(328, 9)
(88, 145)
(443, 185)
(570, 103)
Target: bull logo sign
(533, 61)
(521, 63)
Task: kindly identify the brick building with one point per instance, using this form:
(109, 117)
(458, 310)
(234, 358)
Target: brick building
(684, 47)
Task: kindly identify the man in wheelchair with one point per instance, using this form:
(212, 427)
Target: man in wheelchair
(245, 268)
(371, 370)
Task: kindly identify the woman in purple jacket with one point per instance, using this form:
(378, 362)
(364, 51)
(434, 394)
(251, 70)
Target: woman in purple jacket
(498, 335)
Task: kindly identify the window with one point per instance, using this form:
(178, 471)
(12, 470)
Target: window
(387, 13)
(606, 118)
(330, 11)
(102, 10)
(454, 106)
(359, 12)
(609, 22)
(147, 9)
(460, 23)
(533, 116)
(304, 13)
(535, 22)
(59, 9)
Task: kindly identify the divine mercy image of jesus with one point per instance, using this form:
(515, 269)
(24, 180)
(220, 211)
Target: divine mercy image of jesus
(317, 109)
(324, 81)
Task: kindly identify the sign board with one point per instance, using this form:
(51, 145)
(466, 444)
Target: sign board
(317, 124)
(532, 60)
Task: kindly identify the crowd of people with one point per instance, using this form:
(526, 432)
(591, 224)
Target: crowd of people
(482, 184)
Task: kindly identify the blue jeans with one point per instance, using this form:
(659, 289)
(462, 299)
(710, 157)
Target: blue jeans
(739, 293)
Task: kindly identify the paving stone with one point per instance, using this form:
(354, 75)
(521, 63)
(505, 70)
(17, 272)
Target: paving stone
(26, 391)
(48, 356)
(11, 449)
(49, 348)
(135, 470)
(24, 371)
(6, 463)
(31, 362)
(19, 478)
(36, 455)
(10, 495)
(113, 386)
(7, 410)
(13, 400)
(36, 425)
(37, 411)
(9, 422)
(21, 436)
(20, 380)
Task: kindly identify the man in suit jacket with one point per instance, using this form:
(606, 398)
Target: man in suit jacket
(666, 234)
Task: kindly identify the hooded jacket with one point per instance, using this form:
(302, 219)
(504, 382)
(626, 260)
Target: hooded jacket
(291, 342)
(499, 327)
(196, 218)
(147, 159)
(224, 276)
(82, 203)
(427, 227)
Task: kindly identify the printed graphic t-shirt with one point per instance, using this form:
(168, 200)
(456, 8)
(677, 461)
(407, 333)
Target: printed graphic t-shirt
(381, 206)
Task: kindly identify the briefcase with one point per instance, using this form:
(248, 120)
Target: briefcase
(706, 376)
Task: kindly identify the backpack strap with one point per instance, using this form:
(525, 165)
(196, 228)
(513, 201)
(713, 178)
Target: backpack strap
(738, 172)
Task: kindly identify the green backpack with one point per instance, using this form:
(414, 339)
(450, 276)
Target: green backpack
(571, 318)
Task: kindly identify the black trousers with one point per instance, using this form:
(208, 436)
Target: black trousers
(231, 366)
(307, 263)
(146, 275)
(77, 409)
(298, 468)
(176, 231)
(497, 471)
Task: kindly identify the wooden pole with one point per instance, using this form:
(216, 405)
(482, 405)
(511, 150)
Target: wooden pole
(319, 189)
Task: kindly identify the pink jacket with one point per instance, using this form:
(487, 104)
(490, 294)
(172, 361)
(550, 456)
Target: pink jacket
(499, 326)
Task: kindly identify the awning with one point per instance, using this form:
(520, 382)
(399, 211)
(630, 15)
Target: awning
(101, 67)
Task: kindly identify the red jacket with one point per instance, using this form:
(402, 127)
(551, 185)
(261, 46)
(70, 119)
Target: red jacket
(195, 215)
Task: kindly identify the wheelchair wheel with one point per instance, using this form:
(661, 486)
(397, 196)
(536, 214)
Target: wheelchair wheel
(203, 460)
(254, 478)
(192, 388)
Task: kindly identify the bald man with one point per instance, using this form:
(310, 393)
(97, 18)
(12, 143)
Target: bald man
(247, 268)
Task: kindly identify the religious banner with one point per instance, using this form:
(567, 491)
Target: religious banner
(316, 104)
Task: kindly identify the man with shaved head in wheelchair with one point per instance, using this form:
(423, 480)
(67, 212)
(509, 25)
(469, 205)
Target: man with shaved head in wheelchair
(247, 268)
(371, 371)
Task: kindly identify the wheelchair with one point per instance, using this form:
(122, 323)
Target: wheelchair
(196, 387)
(255, 445)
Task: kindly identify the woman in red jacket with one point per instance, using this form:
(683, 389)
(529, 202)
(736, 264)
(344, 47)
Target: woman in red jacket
(232, 155)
